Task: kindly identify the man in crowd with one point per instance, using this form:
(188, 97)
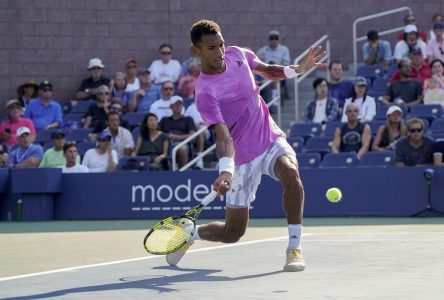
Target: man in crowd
(26, 155)
(8, 128)
(88, 87)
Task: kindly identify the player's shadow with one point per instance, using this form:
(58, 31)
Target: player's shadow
(162, 284)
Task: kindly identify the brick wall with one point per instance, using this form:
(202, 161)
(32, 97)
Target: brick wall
(53, 39)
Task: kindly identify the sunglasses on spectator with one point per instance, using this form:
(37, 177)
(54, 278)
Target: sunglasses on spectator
(168, 88)
(131, 66)
(96, 68)
(413, 130)
(47, 90)
(105, 93)
(165, 53)
(274, 37)
(411, 20)
(116, 108)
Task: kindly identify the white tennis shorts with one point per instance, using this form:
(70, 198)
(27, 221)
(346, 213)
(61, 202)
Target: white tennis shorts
(247, 177)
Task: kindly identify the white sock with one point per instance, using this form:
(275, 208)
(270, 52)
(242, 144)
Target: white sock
(196, 236)
(294, 236)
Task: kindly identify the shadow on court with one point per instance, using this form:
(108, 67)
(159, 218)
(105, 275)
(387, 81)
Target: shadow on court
(161, 284)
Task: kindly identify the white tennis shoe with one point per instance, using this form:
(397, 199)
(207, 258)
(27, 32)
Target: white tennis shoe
(174, 258)
(295, 262)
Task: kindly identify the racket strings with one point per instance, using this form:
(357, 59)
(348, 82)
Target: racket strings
(170, 237)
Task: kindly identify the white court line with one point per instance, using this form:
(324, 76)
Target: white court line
(140, 258)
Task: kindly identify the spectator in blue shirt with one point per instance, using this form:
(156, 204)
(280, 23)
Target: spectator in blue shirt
(338, 87)
(44, 112)
(26, 155)
(148, 93)
(376, 51)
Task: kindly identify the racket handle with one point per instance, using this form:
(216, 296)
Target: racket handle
(210, 197)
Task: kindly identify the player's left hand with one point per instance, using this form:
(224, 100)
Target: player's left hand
(311, 60)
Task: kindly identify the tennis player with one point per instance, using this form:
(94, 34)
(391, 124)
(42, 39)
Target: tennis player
(248, 142)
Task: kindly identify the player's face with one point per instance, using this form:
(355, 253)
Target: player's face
(211, 51)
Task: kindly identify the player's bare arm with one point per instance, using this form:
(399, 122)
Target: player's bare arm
(224, 148)
(278, 72)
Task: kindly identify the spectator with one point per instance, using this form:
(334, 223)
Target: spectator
(117, 107)
(435, 46)
(275, 53)
(133, 83)
(404, 91)
(118, 89)
(411, 38)
(102, 158)
(433, 88)
(338, 87)
(411, 20)
(353, 136)
(8, 128)
(376, 51)
(165, 68)
(438, 155)
(436, 18)
(89, 87)
(188, 82)
(27, 91)
(184, 66)
(3, 156)
(26, 155)
(389, 133)
(143, 98)
(420, 69)
(71, 156)
(96, 112)
(323, 108)
(53, 157)
(178, 128)
(162, 107)
(365, 103)
(415, 149)
(121, 138)
(153, 143)
(44, 112)
(199, 123)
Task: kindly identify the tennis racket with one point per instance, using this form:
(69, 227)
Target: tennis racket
(173, 233)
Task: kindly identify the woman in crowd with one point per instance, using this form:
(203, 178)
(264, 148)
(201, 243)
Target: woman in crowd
(393, 129)
(366, 104)
(433, 88)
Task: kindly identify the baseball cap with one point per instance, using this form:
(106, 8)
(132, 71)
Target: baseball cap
(104, 135)
(273, 33)
(392, 109)
(12, 102)
(439, 25)
(44, 84)
(360, 81)
(372, 35)
(95, 62)
(415, 50)
(410, 28)
(130, 60)
(144, 71)
(57, 133)
(176, 99)
(23, 130)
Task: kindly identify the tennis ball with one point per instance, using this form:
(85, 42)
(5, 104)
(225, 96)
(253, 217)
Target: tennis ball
(334, 195)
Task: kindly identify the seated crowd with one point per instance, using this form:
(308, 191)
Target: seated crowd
(145, 112)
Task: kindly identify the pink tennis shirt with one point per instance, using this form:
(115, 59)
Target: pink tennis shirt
(232, 97)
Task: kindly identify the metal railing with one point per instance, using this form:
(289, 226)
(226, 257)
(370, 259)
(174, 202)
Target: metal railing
(275, 101)
(357, 39)
(298, 79)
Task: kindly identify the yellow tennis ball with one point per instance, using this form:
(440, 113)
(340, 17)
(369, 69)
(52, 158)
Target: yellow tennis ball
(334, 195)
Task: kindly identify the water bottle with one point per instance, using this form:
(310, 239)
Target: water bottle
(19, 210)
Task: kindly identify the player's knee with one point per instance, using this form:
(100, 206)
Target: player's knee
(233, 236)
(290, 176)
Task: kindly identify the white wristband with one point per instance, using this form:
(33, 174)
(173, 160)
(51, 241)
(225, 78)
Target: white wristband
(226, 164)
(290, 72)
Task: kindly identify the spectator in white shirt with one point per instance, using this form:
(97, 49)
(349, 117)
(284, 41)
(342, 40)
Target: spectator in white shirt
(162, 107)
(365, 103)
(102, 158)
(70, 153)
(121, 138)
(165, 68)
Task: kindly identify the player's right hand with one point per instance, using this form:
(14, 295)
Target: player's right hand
(223, 183)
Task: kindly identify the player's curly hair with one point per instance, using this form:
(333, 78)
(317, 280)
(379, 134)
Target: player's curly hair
(203, 27)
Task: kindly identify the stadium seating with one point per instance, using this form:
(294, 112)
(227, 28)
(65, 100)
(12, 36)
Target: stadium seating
(330, 128)
(380, 84)
(383, 159)
(138, 163)
(370, 71)
(296, 142)
(320, 144)
(429, 111)
(437, 126)
(81, 107)
(306, 130)
(82, 147)
(341, 160)
(134, 118)
(375, 124)
(44, 135)
(308, 160)
(78, 135)
(135, 132)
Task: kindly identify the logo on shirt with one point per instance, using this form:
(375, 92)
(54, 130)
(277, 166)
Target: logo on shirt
(239, 63)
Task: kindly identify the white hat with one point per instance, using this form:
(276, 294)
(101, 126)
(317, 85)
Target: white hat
(392, 109)
(95, 62)
(175, 99)
(410, 28)
(23, 130)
